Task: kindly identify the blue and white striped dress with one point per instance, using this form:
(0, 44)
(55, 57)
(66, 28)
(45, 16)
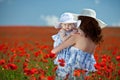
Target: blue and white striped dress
(81, 60)
(63, 54)
(78, 59)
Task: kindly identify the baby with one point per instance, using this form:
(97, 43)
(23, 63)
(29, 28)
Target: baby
(68, 26)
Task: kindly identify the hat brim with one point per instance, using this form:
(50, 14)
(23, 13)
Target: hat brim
(100, 22)
(77, 23)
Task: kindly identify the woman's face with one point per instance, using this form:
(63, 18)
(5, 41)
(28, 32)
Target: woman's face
(67, 26)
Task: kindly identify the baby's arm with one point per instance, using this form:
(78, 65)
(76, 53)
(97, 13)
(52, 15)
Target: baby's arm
(74, 31)
(63, 35)
(69, 42)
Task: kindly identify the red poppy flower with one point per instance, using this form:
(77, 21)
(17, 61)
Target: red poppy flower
(118, 58)
(36, 54)
(61, 62)
(12, 66)
(97, 66)
(33, 71)
(52, 55)
(119, 72)
(55, 68)
(42, 77)
(77, 72)
(5, 66)
(50, 78)
(2, 62)
(26, 71)
(114, 51)
(25, 64)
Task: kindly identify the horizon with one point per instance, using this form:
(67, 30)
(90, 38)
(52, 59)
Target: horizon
(47, 26)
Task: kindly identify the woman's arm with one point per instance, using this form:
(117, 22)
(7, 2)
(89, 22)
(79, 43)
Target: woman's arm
(69, 42)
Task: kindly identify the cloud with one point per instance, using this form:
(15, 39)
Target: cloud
(97, 1)
(50, 20)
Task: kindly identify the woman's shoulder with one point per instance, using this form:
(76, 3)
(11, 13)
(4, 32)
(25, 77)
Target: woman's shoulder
(75, 36)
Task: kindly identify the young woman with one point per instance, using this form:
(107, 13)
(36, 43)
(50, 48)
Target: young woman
(83, 44)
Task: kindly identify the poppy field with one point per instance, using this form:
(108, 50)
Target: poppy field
(25, 54)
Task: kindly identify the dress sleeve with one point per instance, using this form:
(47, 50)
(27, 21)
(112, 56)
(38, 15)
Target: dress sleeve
(57, 40)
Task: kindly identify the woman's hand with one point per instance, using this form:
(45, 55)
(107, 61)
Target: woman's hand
(52, 55)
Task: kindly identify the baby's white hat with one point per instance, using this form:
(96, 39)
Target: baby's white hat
(67, 18)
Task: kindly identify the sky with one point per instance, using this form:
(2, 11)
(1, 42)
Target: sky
(47, 12)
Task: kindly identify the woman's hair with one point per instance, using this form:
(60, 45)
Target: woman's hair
(91, 28)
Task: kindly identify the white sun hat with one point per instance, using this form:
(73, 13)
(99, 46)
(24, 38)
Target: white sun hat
(67, 18)
(92, 13)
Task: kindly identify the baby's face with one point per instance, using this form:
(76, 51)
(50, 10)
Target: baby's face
(68, 26)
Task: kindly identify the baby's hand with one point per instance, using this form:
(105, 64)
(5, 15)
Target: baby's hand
(73, 32)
